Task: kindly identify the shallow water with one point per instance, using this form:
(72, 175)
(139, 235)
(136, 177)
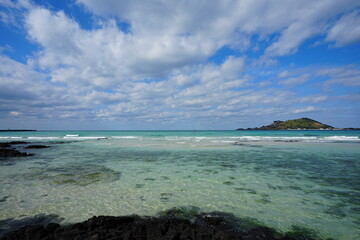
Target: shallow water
(309, 179)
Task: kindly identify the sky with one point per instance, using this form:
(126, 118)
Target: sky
(178, 64)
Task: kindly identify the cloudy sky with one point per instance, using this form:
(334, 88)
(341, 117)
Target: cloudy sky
(178, 64)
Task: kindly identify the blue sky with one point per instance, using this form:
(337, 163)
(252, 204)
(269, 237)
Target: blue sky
(163, 64)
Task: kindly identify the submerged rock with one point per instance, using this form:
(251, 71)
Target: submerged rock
(74, 174)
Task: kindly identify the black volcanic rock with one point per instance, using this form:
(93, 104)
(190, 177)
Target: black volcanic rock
(128, 227)
(13, 153)
(5, 145)
(17, 142)
(36, 146)
(206, 227)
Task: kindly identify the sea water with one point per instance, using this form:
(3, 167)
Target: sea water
(283, 179)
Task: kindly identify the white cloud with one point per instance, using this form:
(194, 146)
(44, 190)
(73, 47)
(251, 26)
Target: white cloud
(12, 12)
(291, 38)
(16, 4)
(26, 91)
(57, 34)
(17, 81)
(346, 30)
(292, 81)
(15, 114)
(306, 19)
(313, 99)
(106, 57)
(304, 109)
(167, 35)
(157, 70)
(283, 74)
(346, 76)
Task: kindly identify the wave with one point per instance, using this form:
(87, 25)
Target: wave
(342, 138)
(198, 139)
(43, 138)
(223, 139)
(299, 139)
(125, 137)
(85, 138)
(67, 137)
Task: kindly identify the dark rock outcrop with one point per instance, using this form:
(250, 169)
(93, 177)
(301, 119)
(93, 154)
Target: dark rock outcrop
(36, 146)
(6, 150)
(17, 142)
(13, 153)
(205, 227)
(5, 145)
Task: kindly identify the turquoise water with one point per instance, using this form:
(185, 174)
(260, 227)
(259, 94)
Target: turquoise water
(308, 179)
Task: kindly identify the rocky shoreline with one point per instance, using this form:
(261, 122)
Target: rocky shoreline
(203, 227)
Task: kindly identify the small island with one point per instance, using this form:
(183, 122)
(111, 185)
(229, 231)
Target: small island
(295, 124)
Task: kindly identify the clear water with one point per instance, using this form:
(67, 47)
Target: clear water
(309, 179)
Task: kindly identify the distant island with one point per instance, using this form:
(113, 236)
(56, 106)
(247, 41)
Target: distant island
(297, 124)
(17, 130)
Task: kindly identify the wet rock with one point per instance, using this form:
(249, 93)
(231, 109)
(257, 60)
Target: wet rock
(128, 227)
(6, 150)
(36, 146)
(5, 145)
(205, 227)
(185, 212)
(17, 142)
(10, 224)
(13, 153)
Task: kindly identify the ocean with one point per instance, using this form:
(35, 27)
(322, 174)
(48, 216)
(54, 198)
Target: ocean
(285, 180)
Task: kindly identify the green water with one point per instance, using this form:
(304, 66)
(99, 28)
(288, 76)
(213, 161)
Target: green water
(307, 179)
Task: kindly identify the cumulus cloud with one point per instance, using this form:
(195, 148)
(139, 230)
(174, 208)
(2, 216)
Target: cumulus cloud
(107, 56)
(157, 69)
(17, 81)
(26, 91)
(166, 35)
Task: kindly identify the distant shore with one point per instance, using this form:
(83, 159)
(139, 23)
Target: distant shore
(17, 130)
